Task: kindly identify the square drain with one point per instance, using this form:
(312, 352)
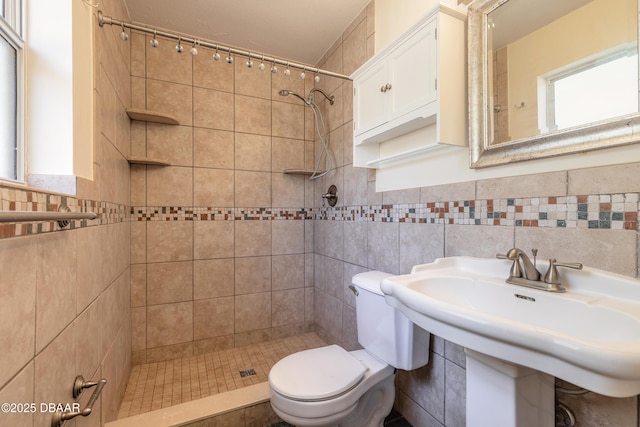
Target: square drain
(247, 373)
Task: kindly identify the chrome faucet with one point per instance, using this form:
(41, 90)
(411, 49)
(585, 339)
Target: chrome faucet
(524, 272)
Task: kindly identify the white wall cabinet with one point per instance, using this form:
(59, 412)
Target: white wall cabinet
(418, 82)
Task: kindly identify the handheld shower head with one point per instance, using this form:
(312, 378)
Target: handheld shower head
(285, 92)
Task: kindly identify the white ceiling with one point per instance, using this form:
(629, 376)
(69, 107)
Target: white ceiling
(296, 30)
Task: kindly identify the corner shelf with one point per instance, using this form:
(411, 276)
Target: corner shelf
(151, 116)
(299, 172)
(147, 161)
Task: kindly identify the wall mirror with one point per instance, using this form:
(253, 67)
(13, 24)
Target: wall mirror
(549, 77)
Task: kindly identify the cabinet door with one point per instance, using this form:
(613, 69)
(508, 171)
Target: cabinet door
(413, 72)
(369, 102)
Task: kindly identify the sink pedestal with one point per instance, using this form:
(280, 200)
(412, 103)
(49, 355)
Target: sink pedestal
(507, 395)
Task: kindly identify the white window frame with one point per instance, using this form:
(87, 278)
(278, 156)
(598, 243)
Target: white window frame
(546, 93)
(11, 29)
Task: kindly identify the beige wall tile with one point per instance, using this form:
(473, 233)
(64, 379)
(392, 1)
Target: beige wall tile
(169, 241)
(169, 186)
(287, 154)
(355, 48)
(211, 74)
(355, 186)
(288, 237)
(170, 98)
(88, 342)
(252, 115)
(56, 285)
(606, 179)
(252, 337)
(355, 242)
(17, 305)
(213, 239)
(253, 152)
(334, 114)
(288, 271)
(252, 312)
(19, 389)
(252, 189)
(252, 81)
(213, 187)
(138, 93)
(479, 241)
(448, 192)
(91, 266)
(138, 185)
(138, 46)
(173, 144)
(383, 247)
(213, 148)
(253, 238)
(288, 190)
(169, 282)
(138, 328)
(288, 307)
(420, 244)
(138, 242)
(611, 250)
(546, 184)
(164, 63)
(213, 278)
(138, 285)
(213, 317)
(288, 120)
(252, 275)
(213, 109)
(169, 324)
(335, 142)
(53, 383)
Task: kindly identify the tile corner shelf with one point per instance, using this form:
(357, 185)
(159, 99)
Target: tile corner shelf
(303, 172)
(151, 116)
(147, 161)
(415, 84)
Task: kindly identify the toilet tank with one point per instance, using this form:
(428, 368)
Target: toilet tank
(384, 331)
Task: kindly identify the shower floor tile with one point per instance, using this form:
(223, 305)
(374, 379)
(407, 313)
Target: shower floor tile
(158, 385)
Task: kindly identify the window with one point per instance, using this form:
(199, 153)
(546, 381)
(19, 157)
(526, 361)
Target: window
(11, 91)
(602, 88)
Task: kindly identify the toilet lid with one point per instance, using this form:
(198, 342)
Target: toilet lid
(316, 374)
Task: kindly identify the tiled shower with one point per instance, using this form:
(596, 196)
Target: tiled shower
(222, 248)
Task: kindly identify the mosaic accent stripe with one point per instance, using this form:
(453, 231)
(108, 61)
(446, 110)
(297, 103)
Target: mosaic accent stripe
(604, 211)
(597, 211)
(181, 213)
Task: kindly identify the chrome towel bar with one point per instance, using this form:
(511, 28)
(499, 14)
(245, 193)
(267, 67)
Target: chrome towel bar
(79, 384)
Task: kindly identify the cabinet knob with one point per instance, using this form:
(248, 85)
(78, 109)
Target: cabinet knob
(385, 87)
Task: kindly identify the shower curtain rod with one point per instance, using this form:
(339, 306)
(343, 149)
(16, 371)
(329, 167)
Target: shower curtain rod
(102, 20)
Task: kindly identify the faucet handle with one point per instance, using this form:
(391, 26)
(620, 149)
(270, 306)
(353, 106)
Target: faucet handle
(512, 255)
(553, 276)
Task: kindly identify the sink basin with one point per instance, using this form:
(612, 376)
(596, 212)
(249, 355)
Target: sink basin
(589, 336)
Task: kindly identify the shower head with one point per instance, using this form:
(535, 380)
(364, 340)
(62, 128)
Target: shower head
(285, 92)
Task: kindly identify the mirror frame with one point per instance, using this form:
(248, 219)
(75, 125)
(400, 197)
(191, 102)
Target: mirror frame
(597, 135)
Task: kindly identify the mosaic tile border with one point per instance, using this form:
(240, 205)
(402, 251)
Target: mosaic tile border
(182, 213)
(604, 211)
(618, 211)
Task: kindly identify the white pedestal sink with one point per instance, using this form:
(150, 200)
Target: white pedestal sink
(518, 339)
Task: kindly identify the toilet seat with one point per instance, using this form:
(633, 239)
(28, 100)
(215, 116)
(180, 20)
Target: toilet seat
(316, 375)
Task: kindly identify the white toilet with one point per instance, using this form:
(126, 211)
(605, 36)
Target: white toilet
(330, 386)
